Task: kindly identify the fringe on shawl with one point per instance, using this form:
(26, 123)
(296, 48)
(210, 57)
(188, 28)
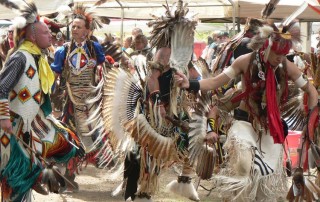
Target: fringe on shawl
(20, 172)
(253, 186)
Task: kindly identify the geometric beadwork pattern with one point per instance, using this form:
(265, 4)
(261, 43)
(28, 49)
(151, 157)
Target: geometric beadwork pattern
(30, 72)
(12, 95)
(37, 97)
(24, 95)
(5, 140)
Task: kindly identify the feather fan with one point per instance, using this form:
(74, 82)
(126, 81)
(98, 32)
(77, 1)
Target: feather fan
(292, 111)
(200, 154)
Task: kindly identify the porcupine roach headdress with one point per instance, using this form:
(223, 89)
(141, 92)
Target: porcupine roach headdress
(92, 21)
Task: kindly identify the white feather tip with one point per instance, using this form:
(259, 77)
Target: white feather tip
(19, 22)
(265, 31)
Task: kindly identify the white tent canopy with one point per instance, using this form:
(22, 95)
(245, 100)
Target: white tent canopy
(253, 8)
(130, 9)
(143, 9)
(207, 10)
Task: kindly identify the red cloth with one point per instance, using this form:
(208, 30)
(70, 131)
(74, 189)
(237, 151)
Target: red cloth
(109, 59)
(274, 121)
(279, 48)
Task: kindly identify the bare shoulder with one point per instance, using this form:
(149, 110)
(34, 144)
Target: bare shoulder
(293, 71)
(241, 63)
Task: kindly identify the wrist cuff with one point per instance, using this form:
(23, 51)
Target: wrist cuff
(211, 125)
(194, 86)
(4, 109)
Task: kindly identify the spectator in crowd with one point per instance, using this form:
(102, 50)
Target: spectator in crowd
(210, 53)
(127, 43)
(6, 45)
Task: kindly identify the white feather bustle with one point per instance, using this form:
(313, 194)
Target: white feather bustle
(183, 189)
(19, 22)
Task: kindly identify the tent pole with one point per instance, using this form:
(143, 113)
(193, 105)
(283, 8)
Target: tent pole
(233, 17)
(122, 17)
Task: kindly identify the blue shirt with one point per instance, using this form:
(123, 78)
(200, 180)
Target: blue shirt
(60, 56)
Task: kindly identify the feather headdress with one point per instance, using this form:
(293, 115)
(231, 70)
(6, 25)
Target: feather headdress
(92, 21)
(28, 14)
(279, 39)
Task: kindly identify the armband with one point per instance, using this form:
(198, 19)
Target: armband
(229, 71)
(301, 81)
(155, 97)
(194, 86)
(4, 109)
(211, 125)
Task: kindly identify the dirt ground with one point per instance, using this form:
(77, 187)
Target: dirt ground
(96, 185)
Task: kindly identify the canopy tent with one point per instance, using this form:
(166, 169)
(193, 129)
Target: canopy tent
(253, 8)
(128, 25)
(207, 10)
(139, 9)
(131, 9)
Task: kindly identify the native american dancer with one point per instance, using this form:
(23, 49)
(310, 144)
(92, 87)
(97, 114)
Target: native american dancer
(258, 131)
(147, 106)
(303, 187)
(215, 106)
(57, 41)
(30, 135)
(80, 63)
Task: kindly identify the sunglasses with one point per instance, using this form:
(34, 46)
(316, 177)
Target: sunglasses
(10, 31)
